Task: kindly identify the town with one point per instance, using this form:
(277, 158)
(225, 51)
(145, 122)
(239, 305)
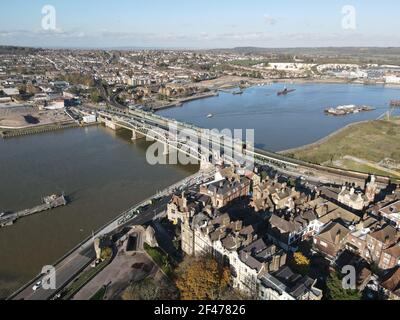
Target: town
(40, 82)
(269, 233)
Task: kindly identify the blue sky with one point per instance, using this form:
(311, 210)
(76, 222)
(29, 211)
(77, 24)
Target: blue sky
(199, 23)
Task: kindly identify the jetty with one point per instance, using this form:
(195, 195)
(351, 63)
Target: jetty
(48, 203)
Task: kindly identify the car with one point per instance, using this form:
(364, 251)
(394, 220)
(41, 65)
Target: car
(37, 285)
(95, 263)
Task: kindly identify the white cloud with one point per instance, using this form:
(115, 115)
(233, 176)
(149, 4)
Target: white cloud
(268, 19)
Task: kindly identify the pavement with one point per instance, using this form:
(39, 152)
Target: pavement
(68, 268)
(77, 261)
(124, 269)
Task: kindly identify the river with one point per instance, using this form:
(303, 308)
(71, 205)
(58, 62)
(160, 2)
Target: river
(285, 122)
(102, 172)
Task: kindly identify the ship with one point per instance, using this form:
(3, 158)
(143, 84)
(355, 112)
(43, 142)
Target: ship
(210, 115)
(285, 91)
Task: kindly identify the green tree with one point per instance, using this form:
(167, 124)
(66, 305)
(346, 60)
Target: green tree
(335, 289)
(147, 289)
(22, 89)
(95, 96)
(106, 253)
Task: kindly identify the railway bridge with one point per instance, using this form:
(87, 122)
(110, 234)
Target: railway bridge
(211, 147)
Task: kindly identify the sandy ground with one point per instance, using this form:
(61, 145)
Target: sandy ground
(13, 118)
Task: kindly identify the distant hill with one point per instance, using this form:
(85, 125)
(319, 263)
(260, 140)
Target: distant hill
(379, 55)
(18, 50)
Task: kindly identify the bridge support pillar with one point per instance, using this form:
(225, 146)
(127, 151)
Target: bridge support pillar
(136, 135)
(165, 149)
(205, 164)
(111, 125)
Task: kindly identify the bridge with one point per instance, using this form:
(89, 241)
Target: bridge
(219, 147)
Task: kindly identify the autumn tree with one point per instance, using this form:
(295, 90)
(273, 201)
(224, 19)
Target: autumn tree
(300, 263)
(202, 279)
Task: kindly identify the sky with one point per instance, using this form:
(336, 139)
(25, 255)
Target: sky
(199, 23)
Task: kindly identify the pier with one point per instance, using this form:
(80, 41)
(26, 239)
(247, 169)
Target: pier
(48, 203)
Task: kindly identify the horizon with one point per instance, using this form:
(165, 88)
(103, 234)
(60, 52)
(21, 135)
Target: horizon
(192, 25)
(133, 48)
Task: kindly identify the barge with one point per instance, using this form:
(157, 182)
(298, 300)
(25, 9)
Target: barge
(347, 109)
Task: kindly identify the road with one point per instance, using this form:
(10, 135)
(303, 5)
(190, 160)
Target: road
(69, 267)
(80, 259)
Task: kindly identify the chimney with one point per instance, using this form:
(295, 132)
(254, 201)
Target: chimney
(387, 240)
(337, 237)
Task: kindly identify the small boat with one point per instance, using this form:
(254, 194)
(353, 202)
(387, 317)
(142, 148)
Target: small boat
(238, 92)
(210, 115)
(285, 91)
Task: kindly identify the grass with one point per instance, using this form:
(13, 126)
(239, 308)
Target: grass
(83, 279)
(355, 166)
(99, 295)
(372, 141)
(160, 258)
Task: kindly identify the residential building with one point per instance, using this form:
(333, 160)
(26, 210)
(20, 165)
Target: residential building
(391, 284)
(287, 285)
(225, 191)
(331, 240)
(186, 205)
(379, 241)
(391, 214)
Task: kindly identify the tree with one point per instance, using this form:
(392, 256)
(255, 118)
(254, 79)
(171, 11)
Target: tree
(95, 96)
(301, 263)
(335, 290)
(147, 289)
(106, 253)
(22, 89)
(202, 279)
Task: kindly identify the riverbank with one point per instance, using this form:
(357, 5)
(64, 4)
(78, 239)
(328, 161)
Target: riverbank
(180, 102)
(230, 82)
(25, 131)
(366, 146)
